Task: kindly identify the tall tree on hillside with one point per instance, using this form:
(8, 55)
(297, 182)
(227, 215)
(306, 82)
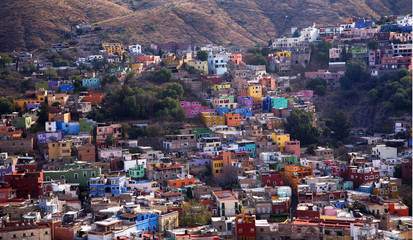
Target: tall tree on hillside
(341, 125)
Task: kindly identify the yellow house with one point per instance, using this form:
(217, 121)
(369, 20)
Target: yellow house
(201, 66)
(282, 54)
(221, 86)
(170, 60)
(113, 48)
(60, 117)
(280, 140)
(385, 188)
(60, 98)
(168, 221)
(59, 150)
(210, 119)
(21, 104)
(255, 91)
(217, 166)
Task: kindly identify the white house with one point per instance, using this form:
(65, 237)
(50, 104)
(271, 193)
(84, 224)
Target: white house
(404, 20)
(384, 152)
(217, 63)
(135, 48)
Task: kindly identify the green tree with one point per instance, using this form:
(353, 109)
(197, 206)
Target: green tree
(154, 130)
(5, 59)
(194, 214)
(318, 85)
(373, 95)
(402, 73)
(373, 44)
(126, 128)
(50, 74)
(296, 33)
(43, 115)
(6, 105)
(163, 75)
(257, 60)
(173, 90)
(108, 78)
(300, 126)
(202, 55)
(110, 140)
(341, 125)
(310, 149)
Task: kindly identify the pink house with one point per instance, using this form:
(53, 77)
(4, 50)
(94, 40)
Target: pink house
(336, 170)
(224, 102)
(332, 78)
(192, 109)
(114, 130)
(304, 94)
(358, 33)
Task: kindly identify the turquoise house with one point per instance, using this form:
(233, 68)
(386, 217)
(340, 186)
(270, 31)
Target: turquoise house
(91, 82)
(279, 102)
(137, 172)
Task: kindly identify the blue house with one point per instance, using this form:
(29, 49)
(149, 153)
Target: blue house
(246, 146)
(366, 189)
(246, 112)
(340, 205)
(147, 222)
(66, 88)
(71, 128)
(389, 28)
(222, 110)
(91, 82)
(362, 24)
(266, 103)
(111, 185)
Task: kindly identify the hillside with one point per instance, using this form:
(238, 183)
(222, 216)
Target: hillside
(30, 24)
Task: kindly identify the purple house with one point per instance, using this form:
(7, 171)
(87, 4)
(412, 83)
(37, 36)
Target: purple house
(49, 137)
(53, 84)
(245, 101)
(6, 170)
(199, 162)
(33, 105)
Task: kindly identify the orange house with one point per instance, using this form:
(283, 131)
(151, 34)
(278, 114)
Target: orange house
(93, 98)
(11, 132)
(181, 182)
(293, 174)
(233, 119)
(236, 58)
(398, 209)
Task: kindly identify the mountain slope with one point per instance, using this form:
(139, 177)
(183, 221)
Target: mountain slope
(27, 24)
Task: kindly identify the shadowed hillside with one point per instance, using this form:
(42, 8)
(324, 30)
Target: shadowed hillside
(33, 23)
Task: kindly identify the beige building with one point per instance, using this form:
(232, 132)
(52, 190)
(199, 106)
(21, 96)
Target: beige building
(198, 65)
(227, 203)
(27, 231)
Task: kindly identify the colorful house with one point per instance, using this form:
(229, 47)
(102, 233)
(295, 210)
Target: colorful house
(110, 185)
(385, 188)
(59, 150)
(181, 182)
(221, 86)
(94, 98)
(224, 102)
(279, 102)
(293, 174)
(280, 140)
(70, 128)
(137, 172)
(22, 122)
(245, 145)
(170, 60)
(91, 82)
(236, 59)
(114, 48)
(233, 120)
(192, 109)
(210, 119)
(245, 111)
(27, 183)
(48, 137)
(245, 227)
(148, 223)
(255, 91)
(21, 104)
(245, 101)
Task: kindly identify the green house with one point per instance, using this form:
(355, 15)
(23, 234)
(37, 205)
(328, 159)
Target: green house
(203, 132)
(285, 159)
(86, 125)
(80, 176)
(42, 84)
(137, 172)
(22, 122)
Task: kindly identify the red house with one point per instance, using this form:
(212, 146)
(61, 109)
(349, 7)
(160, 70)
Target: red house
(280, 206)
(6, 192)
(293, 147)
(245, 227)
(360, 175)
(308, 211)
(407, 171)
(271, 178)
(26, 183)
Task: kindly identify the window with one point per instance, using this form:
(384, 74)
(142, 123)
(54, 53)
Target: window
(62, 177)
(46, 233)
(84, 174)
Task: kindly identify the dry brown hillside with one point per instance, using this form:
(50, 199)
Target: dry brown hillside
(32, 23)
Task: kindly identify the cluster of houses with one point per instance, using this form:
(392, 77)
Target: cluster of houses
(82, 179)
